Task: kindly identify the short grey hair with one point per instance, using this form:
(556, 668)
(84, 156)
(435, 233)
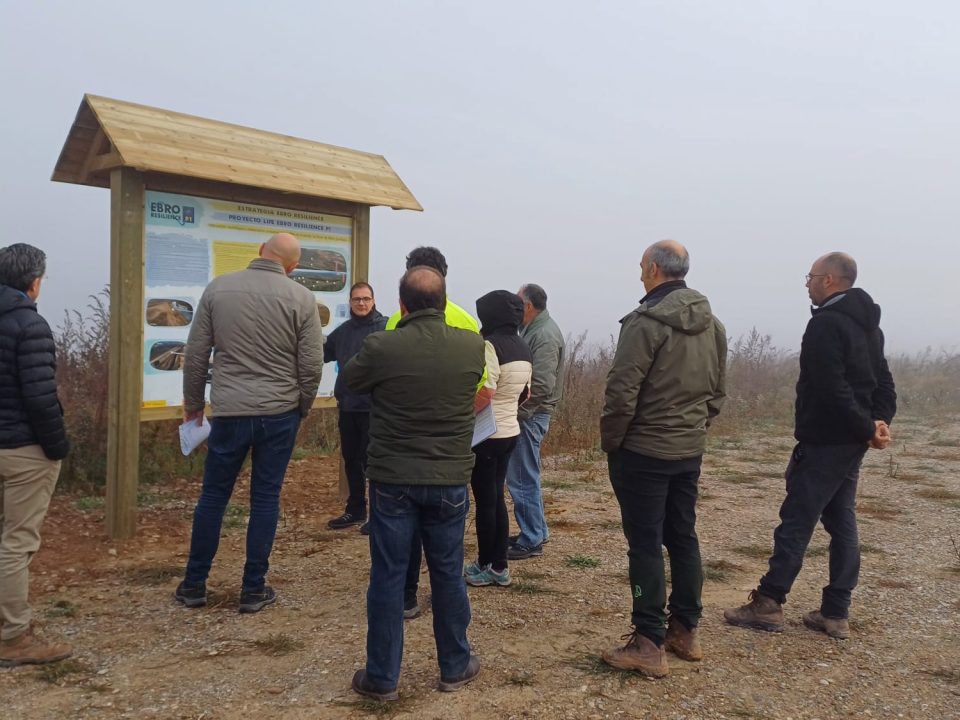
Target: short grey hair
(535, 295)
(20, 265)
(842, 265)
(672, 264)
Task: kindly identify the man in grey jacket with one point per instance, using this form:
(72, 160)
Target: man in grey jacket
(523, 473)
(665, 387)
(264, 331)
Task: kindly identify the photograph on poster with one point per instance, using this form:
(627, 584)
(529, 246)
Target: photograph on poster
(191, 240)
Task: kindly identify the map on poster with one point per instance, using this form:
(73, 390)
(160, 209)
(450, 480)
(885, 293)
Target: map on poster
(191, 240)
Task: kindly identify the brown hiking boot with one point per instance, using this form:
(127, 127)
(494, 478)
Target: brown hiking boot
(761, 613)
(683, 642)
(640, 654)
(30, 649)
(838, 628)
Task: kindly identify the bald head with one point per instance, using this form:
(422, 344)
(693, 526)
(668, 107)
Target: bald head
(841, 265)
(283, 248)
(662, 262)
(422, 288)
(830, 274)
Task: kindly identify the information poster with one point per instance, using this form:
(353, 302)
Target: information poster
(191, 240)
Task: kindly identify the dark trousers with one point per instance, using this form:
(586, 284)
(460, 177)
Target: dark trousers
(493, 523)
(437, 513)
(821, 485)
(658, 500)
(271, 439)
(354, 438)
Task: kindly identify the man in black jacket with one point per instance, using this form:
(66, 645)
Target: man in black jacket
(33, 441)
(845, 403)
(354, 410)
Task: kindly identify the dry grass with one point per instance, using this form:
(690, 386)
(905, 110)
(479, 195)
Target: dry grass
(154, 574)
(719, 570)
(278, 644)
(937, 493)
(56, 673)
(878, 509)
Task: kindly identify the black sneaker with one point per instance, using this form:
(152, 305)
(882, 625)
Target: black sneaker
(346, 520)
(362, 685)
(468, 675)
(251, 602)
(191, 596)
(522, 552)
(514, 539)
(365, 529)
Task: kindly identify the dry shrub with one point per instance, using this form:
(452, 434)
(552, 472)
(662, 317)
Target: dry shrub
(760, 384)
(82, 343)
(927, 382)
(575, 424)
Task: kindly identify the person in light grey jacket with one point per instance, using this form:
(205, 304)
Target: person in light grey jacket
(264, 331)
(543, 336)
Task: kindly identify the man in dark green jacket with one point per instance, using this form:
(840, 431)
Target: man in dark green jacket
(422, 379)
(665, 387)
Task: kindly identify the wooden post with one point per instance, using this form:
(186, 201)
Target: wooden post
(126, 350)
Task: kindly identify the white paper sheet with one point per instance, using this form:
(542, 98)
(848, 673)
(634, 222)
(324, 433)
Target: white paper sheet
(485, 426)
(191, 435)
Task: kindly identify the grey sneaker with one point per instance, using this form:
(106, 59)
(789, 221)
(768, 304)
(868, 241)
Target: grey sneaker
(411, 609)
(251, 602)
(516, 551)
(838, 628)
(469, 674)
(191, 596)
(346, 520)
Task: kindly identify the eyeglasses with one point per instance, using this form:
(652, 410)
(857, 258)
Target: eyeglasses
(360, 300)
(810, 276)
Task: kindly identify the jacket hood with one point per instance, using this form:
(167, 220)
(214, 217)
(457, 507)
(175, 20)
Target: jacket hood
(683, 309)
(500, 310)
(854, 303)
(11, 299)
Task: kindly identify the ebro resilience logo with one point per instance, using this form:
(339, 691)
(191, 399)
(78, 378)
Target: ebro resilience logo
(182, 214)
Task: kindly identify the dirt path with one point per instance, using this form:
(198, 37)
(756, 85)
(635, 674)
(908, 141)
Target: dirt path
(141, 655)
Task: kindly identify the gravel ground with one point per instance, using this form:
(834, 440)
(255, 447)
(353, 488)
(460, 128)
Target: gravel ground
(141, 655)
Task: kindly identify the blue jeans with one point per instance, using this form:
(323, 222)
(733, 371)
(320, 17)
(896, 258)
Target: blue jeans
(523, 481)
(271, 437)
(439, 514)
(821, 486)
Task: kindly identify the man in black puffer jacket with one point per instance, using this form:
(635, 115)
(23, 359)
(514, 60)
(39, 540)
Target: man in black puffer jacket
(33, 441)
(845, 403)
(354, 410)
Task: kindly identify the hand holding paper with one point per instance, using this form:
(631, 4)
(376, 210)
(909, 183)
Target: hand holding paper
(192, 434)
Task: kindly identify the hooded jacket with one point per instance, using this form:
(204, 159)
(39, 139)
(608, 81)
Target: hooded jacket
(667, 380)
(845, 383)
(509, 361)
(341, 345)
(30, 412)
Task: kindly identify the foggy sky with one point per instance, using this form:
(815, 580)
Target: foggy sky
(548, 142)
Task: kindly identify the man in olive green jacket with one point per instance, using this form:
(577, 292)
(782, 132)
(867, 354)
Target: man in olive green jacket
(665, 387)
(422, 378)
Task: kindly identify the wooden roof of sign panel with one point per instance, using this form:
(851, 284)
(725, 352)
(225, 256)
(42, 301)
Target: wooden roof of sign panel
(111, 133)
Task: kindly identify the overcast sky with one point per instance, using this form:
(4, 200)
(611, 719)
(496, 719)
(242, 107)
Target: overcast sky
(548, 142)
